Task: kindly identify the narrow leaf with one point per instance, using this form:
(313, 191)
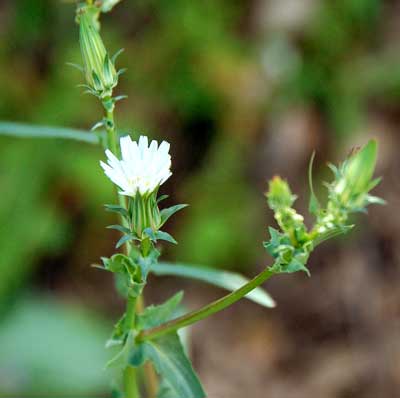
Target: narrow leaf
(161, 235)
(170, 211)
(227, 280)
(172, 364)
(33, 131)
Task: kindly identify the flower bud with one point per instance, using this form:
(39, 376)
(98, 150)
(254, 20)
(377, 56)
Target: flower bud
(279, 194)
(355, 177)
(280, 200)
(99, 69)
(145, 214)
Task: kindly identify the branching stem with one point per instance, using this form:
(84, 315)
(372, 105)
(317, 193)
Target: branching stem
(206, 311)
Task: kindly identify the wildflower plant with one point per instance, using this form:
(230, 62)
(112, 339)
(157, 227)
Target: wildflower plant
(148, 353)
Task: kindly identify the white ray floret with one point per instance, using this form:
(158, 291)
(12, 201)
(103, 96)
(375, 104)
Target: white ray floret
(142, 168)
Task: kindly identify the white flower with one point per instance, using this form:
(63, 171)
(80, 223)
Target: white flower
(142, 168)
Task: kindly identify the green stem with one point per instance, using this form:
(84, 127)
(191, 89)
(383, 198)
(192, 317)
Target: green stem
(112, 139)
(131, 388)
(207, 310)
(130, 380)
(130, 313)
(130, 384)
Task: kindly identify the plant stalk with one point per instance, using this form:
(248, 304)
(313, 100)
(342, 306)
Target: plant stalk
(130, 383)
(206, 311)
(131, 388)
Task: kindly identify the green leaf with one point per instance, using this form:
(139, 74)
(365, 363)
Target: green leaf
(117, 262)
(22, 130)
(119, 228)
(38, 340)
(165, 391)
(125, 239)
(224, 279)
(155, 315)
(161, 235)
(122, 358)
(171, 363)
(170, 211)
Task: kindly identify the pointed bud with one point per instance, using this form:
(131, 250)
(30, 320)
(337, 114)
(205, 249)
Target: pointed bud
(279, 194)
(355, 177)
(99, 70)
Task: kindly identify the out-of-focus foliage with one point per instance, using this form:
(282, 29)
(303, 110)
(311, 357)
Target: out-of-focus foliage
(48, 347)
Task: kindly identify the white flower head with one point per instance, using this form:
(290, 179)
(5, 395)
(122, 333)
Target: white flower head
(142, 169)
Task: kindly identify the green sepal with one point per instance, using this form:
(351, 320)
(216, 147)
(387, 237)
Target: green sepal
(155, 315)
(170, 211)
(161, 198)
(121, 71)
(161, 235)
(119, 228)
(149, 233)
(118, 209)
(116, 55)
(126, 238)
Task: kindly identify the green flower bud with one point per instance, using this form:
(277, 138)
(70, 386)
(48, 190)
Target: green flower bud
(349, 192)
(280, 200)
(356, 173)
(100, 73)
(146, 216)
(279, 195)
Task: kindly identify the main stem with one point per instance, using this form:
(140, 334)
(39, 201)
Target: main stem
(207, 310)
(131, 388)
(130, 379)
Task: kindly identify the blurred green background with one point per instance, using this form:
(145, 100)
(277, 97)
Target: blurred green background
(243, 90)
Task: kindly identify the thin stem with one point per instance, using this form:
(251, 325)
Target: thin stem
(112, 140)
(131, 387)
(207, 310)
(150, 375)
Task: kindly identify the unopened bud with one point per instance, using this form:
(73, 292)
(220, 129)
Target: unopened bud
(99, 69)
(357, 171)
(279, 194)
